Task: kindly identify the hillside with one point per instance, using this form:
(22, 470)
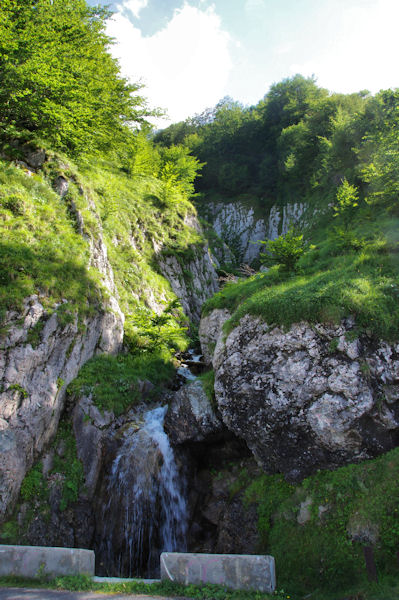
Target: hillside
(286, 442)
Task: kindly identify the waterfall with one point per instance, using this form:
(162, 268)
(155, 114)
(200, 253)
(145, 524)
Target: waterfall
(145, 512)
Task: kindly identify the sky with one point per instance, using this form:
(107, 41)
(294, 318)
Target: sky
(190, 54)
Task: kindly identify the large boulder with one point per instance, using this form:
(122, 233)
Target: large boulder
(308, 398)
(190, 417)
(210, 332)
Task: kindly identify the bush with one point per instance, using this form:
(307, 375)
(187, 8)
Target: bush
(286, 250)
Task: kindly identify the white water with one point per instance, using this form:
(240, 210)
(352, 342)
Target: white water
(146, 512)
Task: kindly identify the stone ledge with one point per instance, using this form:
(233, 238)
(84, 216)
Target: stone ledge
(32, 561)
(235, 571)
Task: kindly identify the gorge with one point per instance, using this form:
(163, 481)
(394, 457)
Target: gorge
(199, 327)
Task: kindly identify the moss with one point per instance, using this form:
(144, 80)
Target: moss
(34, 334)
(113, 381)
(326, 553)
(18, 388)
(67, 464)
(34, 485)
(333, 345)
(208, 383)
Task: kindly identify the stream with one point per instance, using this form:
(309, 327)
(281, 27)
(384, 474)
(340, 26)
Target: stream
(144, 511)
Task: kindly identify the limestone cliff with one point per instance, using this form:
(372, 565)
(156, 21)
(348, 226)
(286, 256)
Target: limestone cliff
(44, 344)
(308, 398)
(242, 223)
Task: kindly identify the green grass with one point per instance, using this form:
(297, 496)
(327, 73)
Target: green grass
(138, 217)
(164, 588)
(334, 279)
(326, 553)
(40, 250)
(113, 380)
(386, 589)
(208, 383)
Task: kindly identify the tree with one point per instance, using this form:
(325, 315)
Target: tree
(347, 200)
(285, 250)
(179, 169)
(379, 152)
(58, 80)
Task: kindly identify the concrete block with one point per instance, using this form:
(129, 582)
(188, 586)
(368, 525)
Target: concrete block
(32, 561)
(235, 571)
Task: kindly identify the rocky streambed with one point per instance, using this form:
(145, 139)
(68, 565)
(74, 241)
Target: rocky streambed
(287, 402)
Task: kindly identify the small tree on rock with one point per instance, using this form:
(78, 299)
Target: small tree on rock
(285, 250)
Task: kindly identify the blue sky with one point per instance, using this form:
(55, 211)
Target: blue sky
(191, 53)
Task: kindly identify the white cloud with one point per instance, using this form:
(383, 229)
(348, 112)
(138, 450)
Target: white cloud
(135, 6)
(254, 6)
(362, 54)
(185, 66)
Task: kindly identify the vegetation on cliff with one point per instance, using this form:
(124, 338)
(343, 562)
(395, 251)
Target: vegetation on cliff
(68, 116)
(339, 156)
(62, 93)
(320, 528)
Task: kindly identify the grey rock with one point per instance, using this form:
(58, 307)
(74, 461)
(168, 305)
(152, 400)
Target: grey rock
(193, 289)
(61, 186)
(241, 225)
(89, 426)
(210, 332)
(35, 158)
(298, 405)
(304, 514)
(190, 417)
(34, 380)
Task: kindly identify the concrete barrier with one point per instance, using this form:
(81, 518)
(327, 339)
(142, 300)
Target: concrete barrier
(33, 561)
(235, 571)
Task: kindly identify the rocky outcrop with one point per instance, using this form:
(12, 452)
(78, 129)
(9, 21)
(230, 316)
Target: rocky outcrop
(222, 521)
(193, 279)
(241, 224)
(190, 417)
(211, 333)
(41, 355)
(307, 398)
(34, 379)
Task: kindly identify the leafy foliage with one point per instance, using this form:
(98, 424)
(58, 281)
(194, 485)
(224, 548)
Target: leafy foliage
(58, 80)
(285, 250)
(34, 485)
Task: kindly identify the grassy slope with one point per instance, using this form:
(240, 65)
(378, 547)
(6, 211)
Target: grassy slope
(341, 274)
(42, 252)
(360, 507)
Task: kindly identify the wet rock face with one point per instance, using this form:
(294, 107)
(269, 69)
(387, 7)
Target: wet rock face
(190, 417)
(222, 521)
(309, 398)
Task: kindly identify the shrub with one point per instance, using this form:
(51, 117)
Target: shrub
(285, 250)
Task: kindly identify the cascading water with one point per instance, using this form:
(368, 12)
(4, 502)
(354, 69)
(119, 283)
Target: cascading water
(146, 511)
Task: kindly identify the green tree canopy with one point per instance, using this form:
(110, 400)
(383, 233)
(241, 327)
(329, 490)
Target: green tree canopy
(58, 80)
